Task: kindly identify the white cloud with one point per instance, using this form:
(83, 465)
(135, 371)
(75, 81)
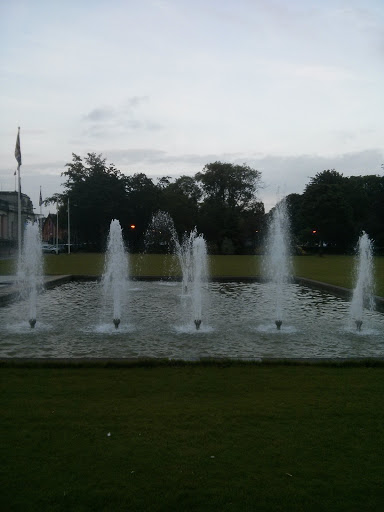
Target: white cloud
(166, 86)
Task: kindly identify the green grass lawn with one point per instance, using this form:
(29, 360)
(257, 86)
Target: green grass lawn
(337, 270)
(192, 438)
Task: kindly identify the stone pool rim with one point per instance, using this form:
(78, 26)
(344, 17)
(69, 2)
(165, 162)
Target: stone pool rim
(154, 362)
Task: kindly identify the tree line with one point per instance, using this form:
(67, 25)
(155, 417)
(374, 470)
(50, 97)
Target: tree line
(220, 201)
(334, 209)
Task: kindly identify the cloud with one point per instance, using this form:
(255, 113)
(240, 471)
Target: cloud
(155, 157)
(100, 114)
(135, 156)
(135, 101)
(281, 174)
(108, 113)
(108, 120)
(323, 73)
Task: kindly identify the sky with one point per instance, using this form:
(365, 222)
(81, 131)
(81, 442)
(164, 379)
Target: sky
(164, 87)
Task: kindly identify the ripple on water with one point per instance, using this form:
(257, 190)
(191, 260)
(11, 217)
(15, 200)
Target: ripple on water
(238, 322)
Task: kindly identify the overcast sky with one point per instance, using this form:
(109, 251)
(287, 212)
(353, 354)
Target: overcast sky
(290, 87)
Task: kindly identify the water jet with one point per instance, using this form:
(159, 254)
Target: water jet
(30, 269)
(363, 297)
(277, 262)
(115, 276)
(193, 260)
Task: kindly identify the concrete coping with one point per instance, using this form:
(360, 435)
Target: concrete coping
(125, 362)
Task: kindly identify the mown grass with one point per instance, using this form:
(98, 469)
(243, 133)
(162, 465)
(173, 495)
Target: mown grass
(195, 438)
(337, 270)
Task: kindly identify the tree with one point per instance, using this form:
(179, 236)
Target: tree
(97, 195)
(339, 208)
(229, 204)
(326, 209)
(142, 201)
(366, 196)
(181, 200)
(328, 177)
(220, 201)
(229, 185)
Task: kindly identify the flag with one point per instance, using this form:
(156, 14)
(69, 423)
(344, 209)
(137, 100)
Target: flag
(17, 148)
(40, 199)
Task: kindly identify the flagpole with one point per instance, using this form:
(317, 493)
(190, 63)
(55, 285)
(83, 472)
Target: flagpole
(19, 210)
(18, 158)
(69, 231)
(57, 227)
(41, 211)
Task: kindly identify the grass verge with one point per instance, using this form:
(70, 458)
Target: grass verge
(336, 270)
(197, 438)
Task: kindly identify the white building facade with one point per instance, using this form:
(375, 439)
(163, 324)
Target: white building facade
(9, 218)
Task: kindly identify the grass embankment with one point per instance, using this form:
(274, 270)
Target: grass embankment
(337, 270)
(196, 438)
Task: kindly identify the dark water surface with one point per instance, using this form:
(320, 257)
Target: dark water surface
(238, 322)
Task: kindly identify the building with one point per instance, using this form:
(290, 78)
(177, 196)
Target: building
(49, 230)
(9, 218)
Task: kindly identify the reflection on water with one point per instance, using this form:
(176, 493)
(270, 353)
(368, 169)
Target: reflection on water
(237, 323)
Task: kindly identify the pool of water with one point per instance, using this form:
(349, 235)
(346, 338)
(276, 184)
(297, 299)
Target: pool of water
(238, 322)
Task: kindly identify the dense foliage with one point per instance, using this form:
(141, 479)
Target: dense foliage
(333, 210)
(221, 201)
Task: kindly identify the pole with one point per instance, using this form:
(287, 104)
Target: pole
(18, 158)
(41, 212)
(69, 231)
(57, 228)
(19, 211)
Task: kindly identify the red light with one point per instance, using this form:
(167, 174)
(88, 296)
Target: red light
(314, 231)
(133, 226)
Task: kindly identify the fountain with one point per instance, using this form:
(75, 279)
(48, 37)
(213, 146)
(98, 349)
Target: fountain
(115, 276)
(363, 293)
(30, 270)
(192, 255)
(69, 315)
(184, 255)
(277, 262)
(161, 235)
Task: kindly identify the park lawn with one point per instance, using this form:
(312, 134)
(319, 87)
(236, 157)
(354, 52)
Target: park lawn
(194, 437)
(337, 270)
